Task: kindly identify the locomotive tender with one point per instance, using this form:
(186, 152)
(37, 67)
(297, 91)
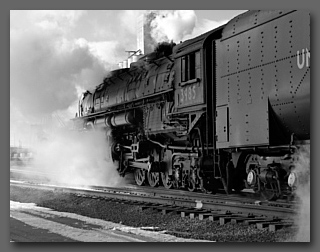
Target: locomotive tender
(229, 109)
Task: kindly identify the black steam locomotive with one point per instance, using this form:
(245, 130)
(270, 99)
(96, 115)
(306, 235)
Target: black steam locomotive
(227, 110)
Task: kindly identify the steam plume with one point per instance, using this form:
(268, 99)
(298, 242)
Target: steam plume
(176, 25)
(302, 168)
(50, 63)
(77, 158)
(172, 25)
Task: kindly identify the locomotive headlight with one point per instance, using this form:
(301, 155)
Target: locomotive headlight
(251, 178)
(292, 179)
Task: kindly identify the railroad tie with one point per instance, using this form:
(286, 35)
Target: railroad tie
(203, 216)
(212, 216)
(225, 219)
(191, 212)
(193, 215)
(255, 220)
(167, 209)
(274, 227)
(240, 219)
(262, 224)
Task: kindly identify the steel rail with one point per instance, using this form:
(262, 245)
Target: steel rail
(154, 198)
(245, 198)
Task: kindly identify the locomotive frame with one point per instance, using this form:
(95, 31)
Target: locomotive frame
(229, 109)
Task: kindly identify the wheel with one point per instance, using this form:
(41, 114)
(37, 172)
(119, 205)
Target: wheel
(166, 180)
(140, 176)
(269, 192)
(230, 177)
(209, 185)
(239, 174)
(153, 178)
(191, 185)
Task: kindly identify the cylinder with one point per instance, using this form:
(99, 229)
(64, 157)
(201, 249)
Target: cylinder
(122, 119)
(100, 122)
(267, 176)
(108, 121)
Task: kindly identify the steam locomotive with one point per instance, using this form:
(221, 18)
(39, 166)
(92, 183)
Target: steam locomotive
(227, 110)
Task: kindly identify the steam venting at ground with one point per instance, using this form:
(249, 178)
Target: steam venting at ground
(77, 159)
(302, 169)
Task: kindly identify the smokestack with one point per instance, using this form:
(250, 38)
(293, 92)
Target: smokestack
(140, 33)
(145, 42)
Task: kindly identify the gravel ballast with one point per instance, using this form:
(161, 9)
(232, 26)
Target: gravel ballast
(134, 216)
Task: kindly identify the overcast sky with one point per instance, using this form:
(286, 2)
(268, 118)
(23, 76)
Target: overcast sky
(55, 55)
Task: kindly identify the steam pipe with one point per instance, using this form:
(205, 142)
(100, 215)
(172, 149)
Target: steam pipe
(171, 147)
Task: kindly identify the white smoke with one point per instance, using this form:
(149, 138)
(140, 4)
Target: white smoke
(172, 25)
(56, 55)
(76, 158)
(52, 60)
(203, 26)
(44, 72)
(178, 25)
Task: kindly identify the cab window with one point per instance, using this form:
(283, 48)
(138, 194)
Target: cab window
(190, 66)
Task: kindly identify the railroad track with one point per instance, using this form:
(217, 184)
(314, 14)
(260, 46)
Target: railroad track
(222, 208)
(246, 196)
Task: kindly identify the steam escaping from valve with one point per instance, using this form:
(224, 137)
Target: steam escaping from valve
(302, 169)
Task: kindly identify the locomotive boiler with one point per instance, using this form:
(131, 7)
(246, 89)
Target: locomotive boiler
(229, 109)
